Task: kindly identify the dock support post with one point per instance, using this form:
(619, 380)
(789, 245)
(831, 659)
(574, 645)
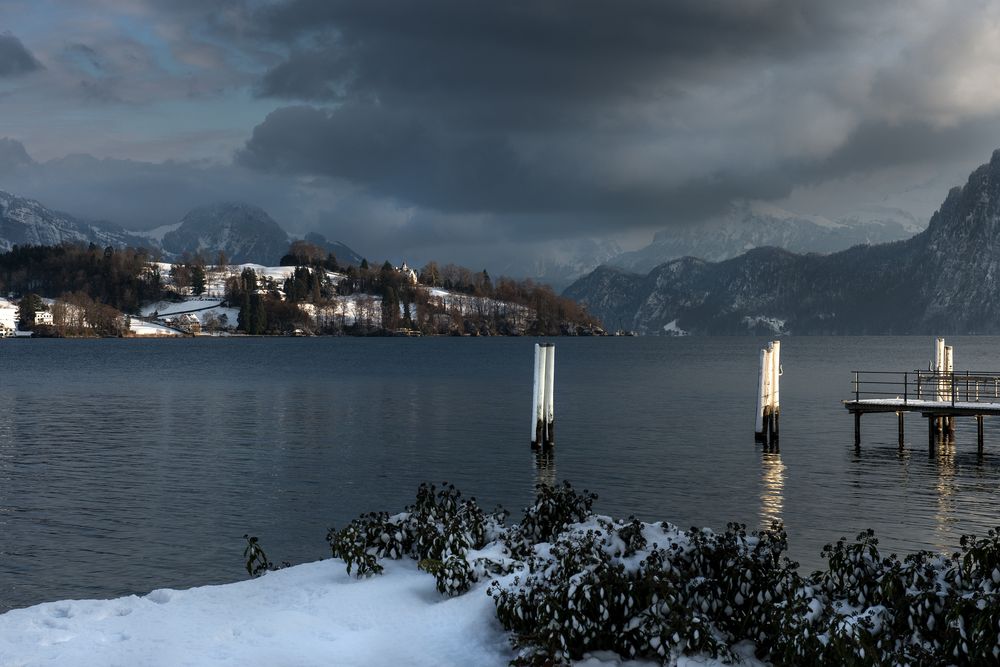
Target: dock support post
(761, 425)
(899, 416)
(550, 410)
(979, 434)
(766, 426)
(857, 429)
(538, 397)
(931, 433)
(775, 392)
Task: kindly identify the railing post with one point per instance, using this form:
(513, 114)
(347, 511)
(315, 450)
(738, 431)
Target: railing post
(857, 386)
(906, 388)
(953, 389)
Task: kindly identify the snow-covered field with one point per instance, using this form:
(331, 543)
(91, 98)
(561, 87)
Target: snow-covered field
(311, 614)
(140, 328)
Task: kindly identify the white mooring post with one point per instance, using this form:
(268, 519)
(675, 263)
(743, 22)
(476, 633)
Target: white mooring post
(543, 404)
(761, 395)
(775, 389)
(768, 394)
(939, 367)
(550, 386)
(535, 392)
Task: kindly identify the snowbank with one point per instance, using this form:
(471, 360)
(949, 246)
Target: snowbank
(140, 328)
(312, 614)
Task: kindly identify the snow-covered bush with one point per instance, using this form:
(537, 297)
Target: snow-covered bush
(567, 582)
(438, 530)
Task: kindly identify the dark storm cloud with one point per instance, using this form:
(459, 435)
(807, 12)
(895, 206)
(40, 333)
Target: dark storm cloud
(15, 58)
(879, 145)
(551, 107)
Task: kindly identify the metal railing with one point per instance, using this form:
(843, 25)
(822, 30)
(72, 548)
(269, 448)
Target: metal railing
(958, 386)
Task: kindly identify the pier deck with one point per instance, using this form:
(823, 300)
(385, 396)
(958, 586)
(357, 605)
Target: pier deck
(939, 397)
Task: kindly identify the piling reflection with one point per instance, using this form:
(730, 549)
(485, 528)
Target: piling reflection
(772, 489)
(545, 466)
(946, 487)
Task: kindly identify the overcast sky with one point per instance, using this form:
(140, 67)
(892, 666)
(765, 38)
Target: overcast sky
(458, 128)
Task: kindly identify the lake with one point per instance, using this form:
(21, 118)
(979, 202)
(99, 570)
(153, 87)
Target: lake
(130, 465)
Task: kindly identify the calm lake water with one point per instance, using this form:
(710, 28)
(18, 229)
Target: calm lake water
(130, 465)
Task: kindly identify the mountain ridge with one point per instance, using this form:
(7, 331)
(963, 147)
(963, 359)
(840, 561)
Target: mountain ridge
(244, 232)
(945, 279)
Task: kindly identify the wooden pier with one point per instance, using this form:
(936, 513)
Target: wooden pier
(940, 397)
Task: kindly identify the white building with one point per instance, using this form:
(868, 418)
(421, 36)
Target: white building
(8, 318)
(43, 317)
(409, 275)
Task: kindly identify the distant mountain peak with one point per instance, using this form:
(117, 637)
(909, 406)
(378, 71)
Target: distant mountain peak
(244, 232)
(944, 280)
(27, 222)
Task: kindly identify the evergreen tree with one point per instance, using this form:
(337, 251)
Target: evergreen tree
(30, 304)
(197, 280)
(258, 324)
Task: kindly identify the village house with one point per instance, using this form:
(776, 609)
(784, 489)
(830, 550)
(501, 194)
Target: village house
(409, 275)
(8, 318)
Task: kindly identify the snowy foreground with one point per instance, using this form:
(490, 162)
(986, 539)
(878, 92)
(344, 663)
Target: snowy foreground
(311, 614)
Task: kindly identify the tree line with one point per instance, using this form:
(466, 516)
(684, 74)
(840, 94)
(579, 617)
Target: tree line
(318, 296)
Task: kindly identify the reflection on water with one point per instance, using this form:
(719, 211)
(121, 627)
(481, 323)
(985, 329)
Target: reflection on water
(772, 489)
(545, 467)
(153, 458)
(946, 486)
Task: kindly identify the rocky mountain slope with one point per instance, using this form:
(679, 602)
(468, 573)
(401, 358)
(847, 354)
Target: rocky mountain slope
(755, 225)
(944, 280)
(245, 233)
(26, 222)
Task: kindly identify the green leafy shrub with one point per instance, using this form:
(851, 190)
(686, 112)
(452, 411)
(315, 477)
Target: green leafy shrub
(566, 582)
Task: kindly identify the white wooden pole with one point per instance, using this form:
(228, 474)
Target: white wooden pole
(775, 374)
(761, 394)
(939, 367)
(550, 380)
(534, 398)
(949, 368)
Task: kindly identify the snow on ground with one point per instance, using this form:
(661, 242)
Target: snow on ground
(311, 614)
(775, 324)
(140, 328)
(165, 308)
(671, 329)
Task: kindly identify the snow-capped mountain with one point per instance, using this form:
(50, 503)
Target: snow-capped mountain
(749, 225)
(944, 280)
(245, 233)
(27, 222)
(559, 264)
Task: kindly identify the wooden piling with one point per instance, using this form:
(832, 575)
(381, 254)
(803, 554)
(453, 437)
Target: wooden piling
(550, 411)
(760, 423)
(536, 399)
(775, 391)
(899, 416)
(931, 428)
(979, 434)
(766, 425)
(857, 429)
